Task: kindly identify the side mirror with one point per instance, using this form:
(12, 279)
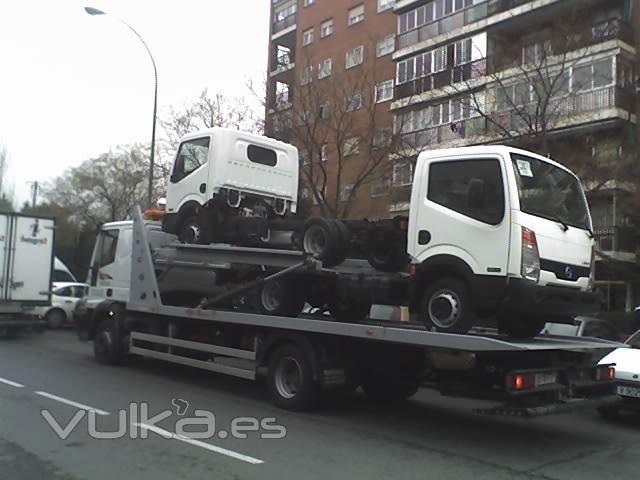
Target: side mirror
(476, 195)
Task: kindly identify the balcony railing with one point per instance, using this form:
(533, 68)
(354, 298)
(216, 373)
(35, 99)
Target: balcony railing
(450, 76)
(617, 239)
(284, 23)
(515, 122)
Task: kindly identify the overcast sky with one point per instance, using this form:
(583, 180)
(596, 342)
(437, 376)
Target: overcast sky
(72, 85)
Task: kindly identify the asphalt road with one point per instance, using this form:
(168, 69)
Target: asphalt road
(431, 437)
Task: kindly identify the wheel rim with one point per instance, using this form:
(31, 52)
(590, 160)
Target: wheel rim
(104, 340)
(444, 309)
(271, 296)
(288, 377)
(192, 233)
(315, 241)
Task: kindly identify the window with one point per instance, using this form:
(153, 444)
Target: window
(402, 174)
(356, 15)
(384, 91)
(354, 57)
(325, 110)
(354, 102)
(62, 276)
(304, 117)
(191, 155)
(326, 28)
(108, 247)
(79, 291)
(324, 153)
(307, 37)
(306, 3)
(536, 52)
(598, 74)
(324, 69)
(282, 95)
(286, 11)
(351, 146)
(386, 45)
(384, 5)
(345, 192)
(380, 186)
(305, 158)
(471, 187)
(307, 76)
(283, 56)
(261, 155)
(440, 59)
(463, 51)
(62, 292)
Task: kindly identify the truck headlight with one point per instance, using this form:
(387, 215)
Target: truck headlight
(530, 263)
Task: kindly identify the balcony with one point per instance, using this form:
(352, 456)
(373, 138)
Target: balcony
(471, 128)
(460, 73)
(619, 243)
(283, 24)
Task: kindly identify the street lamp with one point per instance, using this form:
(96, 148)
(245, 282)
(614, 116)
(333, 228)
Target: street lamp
(93, 12)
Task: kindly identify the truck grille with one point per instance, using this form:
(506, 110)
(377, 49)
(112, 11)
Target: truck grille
(564, 271)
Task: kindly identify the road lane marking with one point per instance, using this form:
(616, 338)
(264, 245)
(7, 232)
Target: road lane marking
(9, 382)
(81, 406)
(197, 443)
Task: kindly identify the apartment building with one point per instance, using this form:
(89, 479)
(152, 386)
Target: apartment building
(329, 90)
(556, 76)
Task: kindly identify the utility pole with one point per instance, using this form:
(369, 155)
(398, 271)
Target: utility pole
(35, 186)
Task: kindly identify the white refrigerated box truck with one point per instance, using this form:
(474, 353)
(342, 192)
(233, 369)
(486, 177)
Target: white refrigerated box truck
(26, 263)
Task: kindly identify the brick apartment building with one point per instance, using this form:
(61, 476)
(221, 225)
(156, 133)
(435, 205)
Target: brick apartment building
(555, 76)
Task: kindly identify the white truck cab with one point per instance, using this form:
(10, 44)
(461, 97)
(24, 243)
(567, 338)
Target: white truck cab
(514, 226)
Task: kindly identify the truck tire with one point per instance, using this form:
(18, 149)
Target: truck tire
(349, 310)
(321, 238)
(384, 252)
(446, 306)
(384, 390)
(280, 297)
(290, 379)
(55, 319)
(108, 340)
(192, 230)
(519, 325)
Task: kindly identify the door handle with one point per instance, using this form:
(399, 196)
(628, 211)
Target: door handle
(109, 292)
(203, 187)
(424, 237)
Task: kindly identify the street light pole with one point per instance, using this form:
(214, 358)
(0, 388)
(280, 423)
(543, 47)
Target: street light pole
(93, 12)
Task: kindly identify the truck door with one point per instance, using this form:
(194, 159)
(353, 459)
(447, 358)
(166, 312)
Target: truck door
(462, 211)
(111, 267)
(188, 179)
(31, 259)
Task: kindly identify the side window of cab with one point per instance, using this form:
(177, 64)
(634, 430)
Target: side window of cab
(192, 154)
(471, 187)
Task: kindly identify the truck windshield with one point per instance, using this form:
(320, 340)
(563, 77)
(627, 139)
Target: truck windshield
(550, 192)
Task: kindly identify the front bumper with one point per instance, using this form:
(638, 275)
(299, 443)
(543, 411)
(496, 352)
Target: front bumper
(527, 297)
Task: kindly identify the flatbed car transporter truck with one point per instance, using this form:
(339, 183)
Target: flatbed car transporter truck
(302, 359)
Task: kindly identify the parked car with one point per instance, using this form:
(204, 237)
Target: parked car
(583, 327)
(627, 362)
(64, 297)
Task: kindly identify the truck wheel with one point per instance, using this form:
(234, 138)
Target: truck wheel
(107, 347)
(349, 310)
(322, 240)
(192, 230)
(446, 307)
(389, 390)
(290, 379)
(55, 319)
(280, 297)
(519, 326)
(385, 253)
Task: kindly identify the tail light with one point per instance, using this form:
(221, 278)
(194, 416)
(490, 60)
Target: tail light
(530, 265)
(606, 373)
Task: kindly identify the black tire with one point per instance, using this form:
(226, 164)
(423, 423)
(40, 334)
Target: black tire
(519, 325)
(347, 309)
(611, 412)
(385, 251)
(55, 319)
(280, 297)
(321, 238)
(343, 230)
(290, 379)
(109, 343)
(446, 306)
(192, 230)
(385, 390)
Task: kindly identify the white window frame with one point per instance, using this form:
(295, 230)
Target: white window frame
(308, 3)
(346, 192)
(324, 106)
(385, 86)
(354, 57)
(380, 187)
(326, 28)
(384, 5)
(463, 48)
(307, 37)
(324, 153)
(396, 173)
(307, 75)
(355, 15)
(350, 107)
(305, 157)
(386, 45)
(351, 146)
(324, 69)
